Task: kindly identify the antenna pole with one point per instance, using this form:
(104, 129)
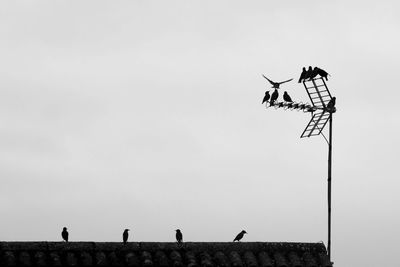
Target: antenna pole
(329, 185)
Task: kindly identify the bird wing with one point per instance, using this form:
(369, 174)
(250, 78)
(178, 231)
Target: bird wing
(271, 82)
(286, 81)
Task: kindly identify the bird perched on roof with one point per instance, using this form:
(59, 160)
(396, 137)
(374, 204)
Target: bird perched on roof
(240, 236)
(266, 97)
(64, 234)
(331, 103)
(125, 236)
(179, 236)
(287, 98)
(275, 85)
(274, 96)
(302, 75)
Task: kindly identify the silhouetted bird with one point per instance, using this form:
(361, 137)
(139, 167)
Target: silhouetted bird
(275, 85)
(179, 236)
(322, 73)
(125, 236)
(314, 73)
(287, 98)
(240, 236)
(308, 73)
(274, 96)
(302, 75)
(266, 97)
(64, 234)
(331, 103)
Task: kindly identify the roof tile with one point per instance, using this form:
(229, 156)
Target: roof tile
(280, 260)
(114, 260)
(162, 259)
(250, 259)
(40, 258)
(205, 260)
(54, 259)
(131, 259)
(294, 259)
(220, 259)
(176, 258)
(235, 259)
(24, 259)
(9, 258)
(71, 260)
(86, 259)
(191, 259)
(101, 259)
(264, 259)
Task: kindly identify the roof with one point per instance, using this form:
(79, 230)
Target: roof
(193, 254)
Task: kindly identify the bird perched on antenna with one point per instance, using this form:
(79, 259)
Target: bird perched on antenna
(308, 73)
(275, 85)
(321, 73)
(287, 98)
(313, 73)
(240, 236)
(266, 97)
(64, 234)
(179, 236)
(303, 75)
(274, 97)
(125, 236)
(331, 103)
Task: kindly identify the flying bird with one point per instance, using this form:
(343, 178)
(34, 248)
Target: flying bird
(266, 97)
(125, 236)
(64, 234)
(275, 85)
(274, 96)
(287, 98)
(179, 236)
(240, 236)
(302, 75)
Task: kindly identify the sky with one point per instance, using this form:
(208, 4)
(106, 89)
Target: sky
(147, 115)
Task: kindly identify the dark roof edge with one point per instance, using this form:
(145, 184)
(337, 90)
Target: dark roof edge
(155, 246)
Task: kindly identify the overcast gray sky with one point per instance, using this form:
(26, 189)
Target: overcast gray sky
(147, 115)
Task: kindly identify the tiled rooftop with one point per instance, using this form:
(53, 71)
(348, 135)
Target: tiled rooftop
(207, 254)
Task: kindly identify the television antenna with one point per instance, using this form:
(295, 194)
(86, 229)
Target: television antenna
(321, 109)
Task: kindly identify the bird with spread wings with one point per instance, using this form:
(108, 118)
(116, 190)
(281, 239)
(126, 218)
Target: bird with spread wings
(275, 85)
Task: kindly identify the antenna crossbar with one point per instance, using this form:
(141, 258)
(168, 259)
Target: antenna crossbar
(316, 124)
(317, 92)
